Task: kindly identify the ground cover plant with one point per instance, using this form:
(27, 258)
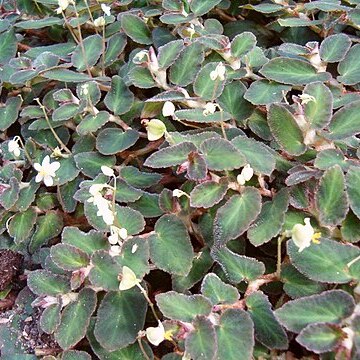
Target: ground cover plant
(179, 179)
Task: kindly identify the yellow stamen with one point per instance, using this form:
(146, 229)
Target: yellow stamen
(315, 238)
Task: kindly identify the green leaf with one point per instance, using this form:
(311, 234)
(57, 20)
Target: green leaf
(68, 257)
(263, 92)
(67, 171)
(325, 262)
(327, 158)
(256, 153)
(182, 307)
(207, 194)
(120, 317)
(238, 267)
(328, 307)
(331, 198)
(197, 169)
(8, 46)
(353, 189)
(199, 7)
(201, 342)
(292, 71)
(170, 156)
(141, 77)
(43, 282)
(65, 112)
(105, 271)
(10, 195)
(242, 44)
(285, 129)
(65, 75)
(204, 86)
(318, 112)
(345, 122)
(111, 141)
(320, 338)
(235, 217)
(119, 99)
(221, 155)
(89, 163)
(168, 53)
(270, 220)
(50, 318)
(48, 226)
(350, 228)
(9, 113)
(115, 46)
(87, 54)
(334, 48)
(87, 242)
(21, 225)
(183, 71)
(170, 247)
(196, 115)
(39, 24)
(75, 319)
(235, 334)
(136, 29)
(348, 69)
(90, 123)
(148, 205)
(75, 355)
(217, 291)
(138, 179)
(268, 331)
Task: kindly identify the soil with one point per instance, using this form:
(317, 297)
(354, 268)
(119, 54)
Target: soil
(10, 267)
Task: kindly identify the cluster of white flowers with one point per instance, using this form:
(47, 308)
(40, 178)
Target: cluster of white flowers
(219, 72)
(117, 235)
(246, 174)
(103, 205)
(100, 21)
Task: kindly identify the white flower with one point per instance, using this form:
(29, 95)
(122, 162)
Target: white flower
(141, 57)
(84, 89)
(134, 248)
(302, 235)
(100, 21)
(106, 9)
(168, 109)
(63, 4)
(246, 174)
(128, 279)
(156, 335)
(210, 108)
(219, 72)
(191, 30)
(14, 147)
(46, 171)
(115, 250)
(155, 129)
(117, 234)
(107, 170)
(306, 98)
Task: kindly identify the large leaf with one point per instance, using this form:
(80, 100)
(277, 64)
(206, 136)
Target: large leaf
(21, 224)
(9, 112)
(235, 217)
(75, 319)
(331, 198)
(170, 247)
(235, 335)
(326, 262)
(111, 141)
(243, 43)
(182, 307)
(328, 307)
(120, 317)
(136, 29)
(335, 47)
(169, 52)
(292, 71)
(89, 163)
(68, 257)
(115, 47)
(87, 53)
(199, 7)
(285, 129)
(119, 99)
(271, 219)
(207, 194)
(353, 189)
(8, 46)
(267, 329)
(348, 68)
(263, 92)
(43, 282)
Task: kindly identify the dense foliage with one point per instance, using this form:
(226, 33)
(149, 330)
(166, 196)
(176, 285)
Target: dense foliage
(181, 178)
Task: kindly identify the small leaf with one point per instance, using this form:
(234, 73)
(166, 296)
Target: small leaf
(75, 355)
(9, 112)
(136, 29)
(8, 46)
(334, 48)
(119, 99)
(87, 53)
(221, 155)
(199, 7)
(182, 307)
(201, 343)
(328, 307)
(320, 338)
(285, 129)
(43, 282)
(120, 317)
(89, 163)
(168, 53)
(138, 179)
(267, 328)
(50, 318)
(75, 319)
(353, 186)
(292, 71)
(325, 262)
(348, 69)
(141, 77)
(263, 92)
(65, 112)
(115, 46)
(197, 169)
(21, 224)
(170, 156)
(242, 44)
(238, 267)
(90, 123)
(270, 220)
(68, 257)
(350, 228)
(217, 291)
(235, 217)
(331, 198)
(65, 75)
(197, 116)
(170, 247)
(111, 141)
(235, 335)
(327, 158)
(207, 194)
